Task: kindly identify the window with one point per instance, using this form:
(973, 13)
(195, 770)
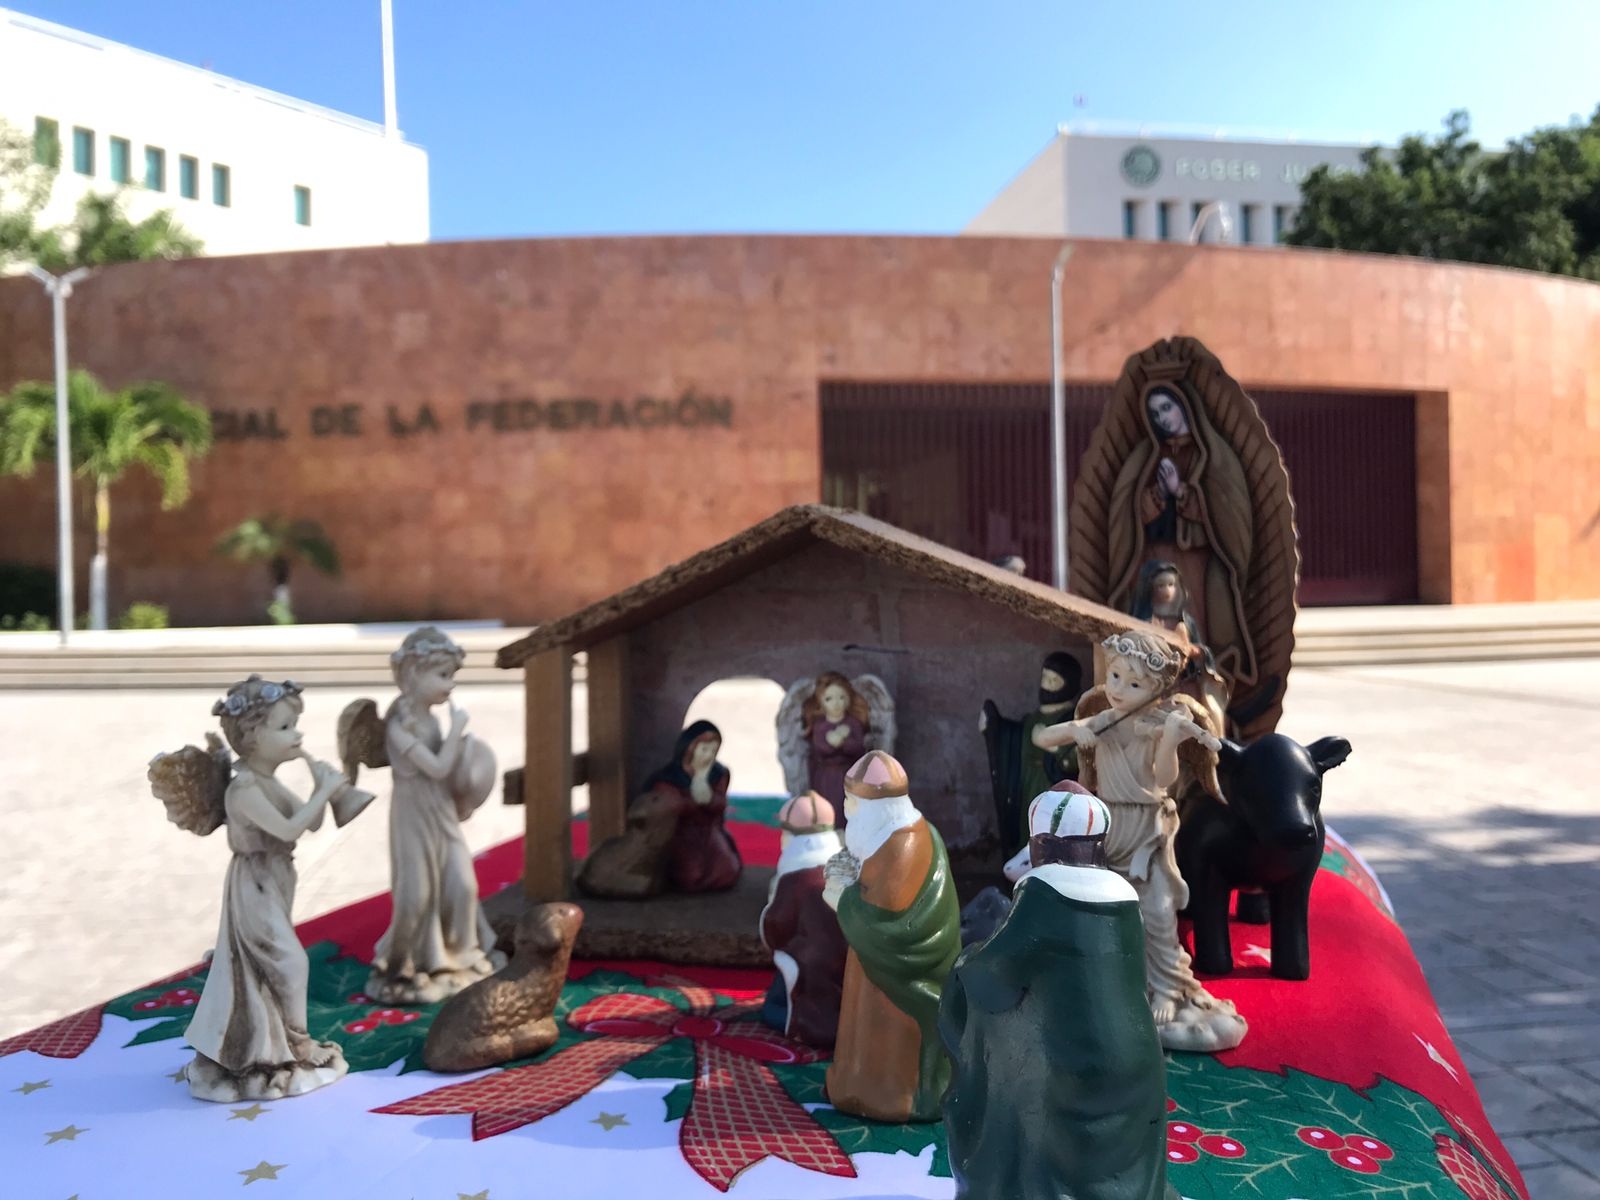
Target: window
(155, 168)
(188, 177)
(220, 185)
(302, 206)
(121, 155)
(1247, 221)
(83, 150)
(1164, 221)
(1280, 221)
(1130, 219)
(46, 142)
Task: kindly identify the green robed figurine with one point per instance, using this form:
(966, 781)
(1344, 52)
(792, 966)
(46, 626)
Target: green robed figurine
(1058, 1088)
(897, 906)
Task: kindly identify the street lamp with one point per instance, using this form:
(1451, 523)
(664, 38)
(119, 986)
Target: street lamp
(1224, 221)
(1058, 426)
(60, 287)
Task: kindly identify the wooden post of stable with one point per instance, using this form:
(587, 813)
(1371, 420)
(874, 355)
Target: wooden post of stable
(547, 778)
(608, 743)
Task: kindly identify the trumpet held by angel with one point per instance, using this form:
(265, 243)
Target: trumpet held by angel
(439, 939)
(825, 724)
(249, 1027)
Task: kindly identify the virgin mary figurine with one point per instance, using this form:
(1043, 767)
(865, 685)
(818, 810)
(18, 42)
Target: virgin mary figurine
(702, 856)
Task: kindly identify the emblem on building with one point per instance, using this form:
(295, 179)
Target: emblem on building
(1140, 166)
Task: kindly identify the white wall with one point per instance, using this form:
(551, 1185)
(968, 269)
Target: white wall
(365, 188)
(1089, 202)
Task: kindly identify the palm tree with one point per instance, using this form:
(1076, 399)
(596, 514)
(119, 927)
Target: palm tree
(101, 232)
(278, 541)
(145, 425)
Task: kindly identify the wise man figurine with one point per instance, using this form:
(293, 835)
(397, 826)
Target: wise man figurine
(1058, 1084)
(896, 901)
(801, 928)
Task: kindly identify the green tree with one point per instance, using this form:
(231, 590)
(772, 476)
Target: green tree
(101, 232)
(24, 189)
(147, 425)
(1535, 206)
(279, 542)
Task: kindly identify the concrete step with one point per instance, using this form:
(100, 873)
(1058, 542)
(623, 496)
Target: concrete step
(358, 656)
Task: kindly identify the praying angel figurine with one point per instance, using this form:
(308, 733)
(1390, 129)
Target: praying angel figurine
(249, 1027)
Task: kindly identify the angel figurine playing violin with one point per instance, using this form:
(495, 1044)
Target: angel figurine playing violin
(1140, 742)
(439, 940)
(249, 1028)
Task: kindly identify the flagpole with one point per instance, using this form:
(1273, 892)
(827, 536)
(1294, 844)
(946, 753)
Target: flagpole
(391, 123)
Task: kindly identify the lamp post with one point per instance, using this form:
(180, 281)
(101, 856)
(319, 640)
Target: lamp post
(1224, 221)
(60, 287)
(391, 124)
(1058, 427)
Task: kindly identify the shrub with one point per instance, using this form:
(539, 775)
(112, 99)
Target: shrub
(29, 622)
(144, 615)
(26, 590)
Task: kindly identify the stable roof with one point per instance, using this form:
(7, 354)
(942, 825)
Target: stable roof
(795, 529)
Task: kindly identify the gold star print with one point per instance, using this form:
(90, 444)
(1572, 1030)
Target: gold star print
(609, 1121)
(247, 1114)
(179, 1075)
(28, 1088)
(262, 1170)
(69, 1134)
(483, 1195)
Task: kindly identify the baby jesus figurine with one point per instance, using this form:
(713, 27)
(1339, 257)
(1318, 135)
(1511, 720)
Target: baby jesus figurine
(1136, 741)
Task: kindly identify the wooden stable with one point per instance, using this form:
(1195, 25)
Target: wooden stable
(811, 588)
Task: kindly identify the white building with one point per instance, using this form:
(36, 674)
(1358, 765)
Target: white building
(1089, 182)
(245, 169)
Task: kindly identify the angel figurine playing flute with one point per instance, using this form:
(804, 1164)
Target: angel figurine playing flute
(249, 1028)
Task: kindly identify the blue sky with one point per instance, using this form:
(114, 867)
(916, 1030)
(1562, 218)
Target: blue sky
(546, 117)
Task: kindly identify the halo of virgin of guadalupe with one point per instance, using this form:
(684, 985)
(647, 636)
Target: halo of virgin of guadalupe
(1182, 468)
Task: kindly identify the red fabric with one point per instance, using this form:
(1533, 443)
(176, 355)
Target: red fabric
(1365, 1013)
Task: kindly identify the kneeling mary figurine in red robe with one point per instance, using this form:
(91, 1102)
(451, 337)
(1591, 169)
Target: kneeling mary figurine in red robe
(702, 856)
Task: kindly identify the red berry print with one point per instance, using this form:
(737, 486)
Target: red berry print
(361, 1026)
(405, 1018)
(147, 1005)
(1351, 1161)
(1182, 1131)
(1322, 1139)
(359, 998)
(1371, 1147)
(1172, 1105)
(1177, 1152)
(1221, 1147)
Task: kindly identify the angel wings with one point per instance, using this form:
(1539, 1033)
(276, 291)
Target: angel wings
(363, 742)
(834, 717)
(193, 784)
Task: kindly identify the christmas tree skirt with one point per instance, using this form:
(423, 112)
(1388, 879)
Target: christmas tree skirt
(1347, 1085)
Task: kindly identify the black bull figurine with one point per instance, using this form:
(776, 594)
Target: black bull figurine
(1269, 835)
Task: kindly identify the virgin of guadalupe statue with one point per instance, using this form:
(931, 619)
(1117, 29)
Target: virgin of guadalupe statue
(827, 723)
(1183, 470)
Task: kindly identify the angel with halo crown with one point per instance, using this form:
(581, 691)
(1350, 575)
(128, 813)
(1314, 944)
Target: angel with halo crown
(825, 724)
(439, 939)
(249, 1028)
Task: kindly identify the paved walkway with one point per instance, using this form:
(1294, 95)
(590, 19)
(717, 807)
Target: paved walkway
(1471, 791)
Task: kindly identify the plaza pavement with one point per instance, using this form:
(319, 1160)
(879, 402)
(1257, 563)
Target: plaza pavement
(1471, 790)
